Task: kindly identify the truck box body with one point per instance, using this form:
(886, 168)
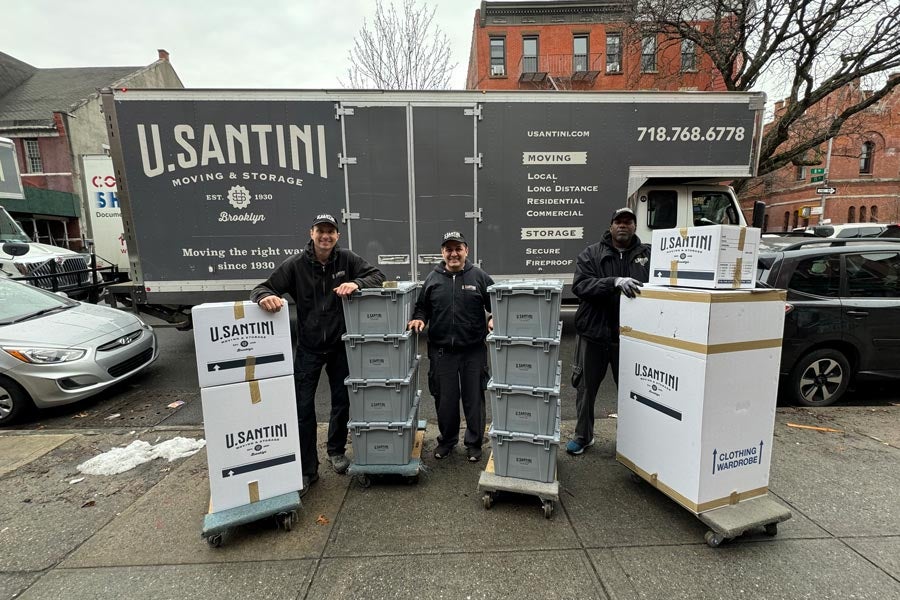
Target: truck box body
(218, 187)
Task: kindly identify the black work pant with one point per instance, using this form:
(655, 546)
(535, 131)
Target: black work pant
(591, 362)
(459, 375)
(307, 370)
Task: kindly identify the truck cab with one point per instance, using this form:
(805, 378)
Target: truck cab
(69, 269)
(661, 205)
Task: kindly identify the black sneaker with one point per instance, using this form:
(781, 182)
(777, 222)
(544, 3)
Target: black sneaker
(442, 451)
(474, 454)
(308, 480)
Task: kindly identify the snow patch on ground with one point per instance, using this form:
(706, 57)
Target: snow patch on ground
(119, 460)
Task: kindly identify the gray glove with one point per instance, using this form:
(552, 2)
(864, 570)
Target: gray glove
(630, 287)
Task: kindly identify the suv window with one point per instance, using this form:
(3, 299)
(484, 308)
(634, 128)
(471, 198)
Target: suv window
(860, 232)
(818, 275)
(873, 275)
(714, 208)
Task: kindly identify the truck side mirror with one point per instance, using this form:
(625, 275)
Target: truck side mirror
(16, 248)
(759, 214)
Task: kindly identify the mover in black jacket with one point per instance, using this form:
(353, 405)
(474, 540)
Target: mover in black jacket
(453, 303)
(315, 279)
(618, 264)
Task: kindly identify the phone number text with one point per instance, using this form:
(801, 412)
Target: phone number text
(690, 134)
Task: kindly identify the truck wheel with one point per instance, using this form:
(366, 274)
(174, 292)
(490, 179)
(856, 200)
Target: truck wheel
(820, 378)
(14, 401)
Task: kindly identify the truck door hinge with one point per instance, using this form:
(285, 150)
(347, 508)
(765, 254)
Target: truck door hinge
(474, 160)
(340, 111)
(345, 160)
(475, 214)
(347, 215)
(473, 112)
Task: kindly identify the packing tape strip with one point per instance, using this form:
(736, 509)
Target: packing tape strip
(673, 273)
(253, 491)
(238, 310)
(738, 269)
(742, 238)
(250, 369)
(683, 232)
(255, 397)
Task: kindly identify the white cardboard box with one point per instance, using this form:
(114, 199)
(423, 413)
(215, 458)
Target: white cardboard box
(239, 341)
(695, 318)
(713, 257)
(697, 392)
(252, 441)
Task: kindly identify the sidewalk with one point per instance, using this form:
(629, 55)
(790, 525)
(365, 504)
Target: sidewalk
(137, 534)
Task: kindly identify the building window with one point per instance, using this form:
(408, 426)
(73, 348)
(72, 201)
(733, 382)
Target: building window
(865, 158)
(800, 173)
(33, 161)
(529, 55)
(787, 220)
(796, 218)
(688, 55)
(873, 214)
(862, 214)
(851, 214)
(613, 52)
(648, 54)
(579, 53)
(498, 57)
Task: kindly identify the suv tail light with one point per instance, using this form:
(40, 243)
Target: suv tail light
(788, 307)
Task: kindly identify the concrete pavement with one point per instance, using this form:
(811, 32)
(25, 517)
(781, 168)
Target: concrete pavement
(137, 534)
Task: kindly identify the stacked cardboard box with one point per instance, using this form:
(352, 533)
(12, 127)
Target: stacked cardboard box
(699, 369)
(381, 353)
(245, 370)
(526, 370)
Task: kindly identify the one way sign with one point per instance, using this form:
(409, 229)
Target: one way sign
(826, 190)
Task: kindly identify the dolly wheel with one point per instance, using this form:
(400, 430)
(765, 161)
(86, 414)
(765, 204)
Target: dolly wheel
(548, 509)
(487, 500)
(772, 529)
(713, 539)
(364, 481)
(286, 520)
(214, 540)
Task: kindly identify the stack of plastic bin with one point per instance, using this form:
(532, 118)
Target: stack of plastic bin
(381, 353)
(526, 370)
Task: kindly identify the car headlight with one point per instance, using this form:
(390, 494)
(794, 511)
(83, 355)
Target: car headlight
(46, 356)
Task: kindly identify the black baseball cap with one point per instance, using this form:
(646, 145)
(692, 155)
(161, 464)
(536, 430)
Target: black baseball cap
(624, 211)
(325, 219)
(454, 236)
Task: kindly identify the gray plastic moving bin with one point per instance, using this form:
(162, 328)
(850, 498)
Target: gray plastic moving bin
(525, 409)
(380, 356)
(530, 362)
(382, 399)
(380, 310)
(388, 443)
(525, 456)
(526, 308)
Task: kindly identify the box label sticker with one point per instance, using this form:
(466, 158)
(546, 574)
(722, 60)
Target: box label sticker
(736, 459)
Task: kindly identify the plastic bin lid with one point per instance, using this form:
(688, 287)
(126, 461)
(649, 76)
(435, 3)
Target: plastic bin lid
(512, 339)
(377, 337)
(408, 423)
(528, 285)
(529, 437)
(401, 287)
(529, 389)
(386, 382)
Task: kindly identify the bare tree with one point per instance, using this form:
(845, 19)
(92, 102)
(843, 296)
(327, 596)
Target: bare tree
(810, 51)
(400, 50)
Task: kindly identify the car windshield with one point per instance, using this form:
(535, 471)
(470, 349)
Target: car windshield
(19, 301)
(10, 230)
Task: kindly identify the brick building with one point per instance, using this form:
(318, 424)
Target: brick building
(863, 166)
(53, 117)
(578, 45)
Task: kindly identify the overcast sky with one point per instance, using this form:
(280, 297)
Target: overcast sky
(222, 43)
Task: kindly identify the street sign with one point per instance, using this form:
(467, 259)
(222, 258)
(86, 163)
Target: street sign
(816, 178)
(826, 190)
(817, 171)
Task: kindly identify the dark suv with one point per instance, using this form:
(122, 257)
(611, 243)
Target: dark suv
(843, 313)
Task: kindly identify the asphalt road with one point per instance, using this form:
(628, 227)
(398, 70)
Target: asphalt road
(144, 400)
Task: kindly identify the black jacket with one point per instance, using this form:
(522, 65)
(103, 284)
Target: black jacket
(453, 306)
(596, 271)
(320, 318)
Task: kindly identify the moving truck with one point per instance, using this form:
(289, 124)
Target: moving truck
(217, 187)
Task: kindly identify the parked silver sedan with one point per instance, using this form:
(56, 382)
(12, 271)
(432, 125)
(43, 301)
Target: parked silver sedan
(54, 350)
